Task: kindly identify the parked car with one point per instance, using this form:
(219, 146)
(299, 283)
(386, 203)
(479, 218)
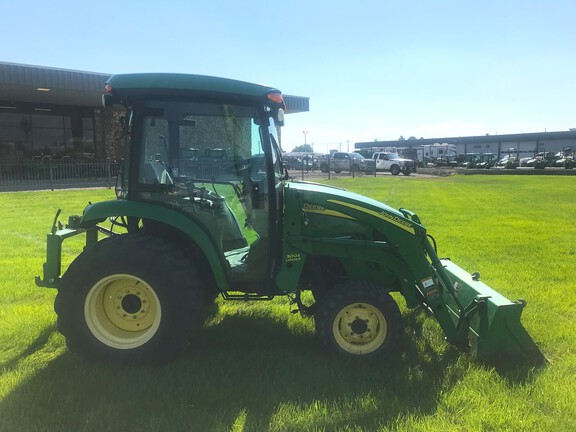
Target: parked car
(341, 161)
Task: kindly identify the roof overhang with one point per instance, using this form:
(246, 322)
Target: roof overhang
(52, 86)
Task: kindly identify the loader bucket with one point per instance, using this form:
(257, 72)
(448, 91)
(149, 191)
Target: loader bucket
(493, 322)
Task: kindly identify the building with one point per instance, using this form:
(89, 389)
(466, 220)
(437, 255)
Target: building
(57, 114)
(526, 143)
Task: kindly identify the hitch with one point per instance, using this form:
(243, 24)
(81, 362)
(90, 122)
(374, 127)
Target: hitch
(52, 268)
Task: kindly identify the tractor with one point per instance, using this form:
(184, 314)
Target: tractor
(487, 160)
(205, 208)
(471, 160)
(565, 158)
(510, 160)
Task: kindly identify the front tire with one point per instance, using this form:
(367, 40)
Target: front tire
(358, 319)
(395, 170)
(130, 298)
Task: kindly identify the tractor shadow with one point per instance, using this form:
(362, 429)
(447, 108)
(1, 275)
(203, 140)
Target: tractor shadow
(247, 369)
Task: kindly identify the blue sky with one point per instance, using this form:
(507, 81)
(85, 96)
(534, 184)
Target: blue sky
(372, 69)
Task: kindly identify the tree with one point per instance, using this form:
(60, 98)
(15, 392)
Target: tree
(304, 148)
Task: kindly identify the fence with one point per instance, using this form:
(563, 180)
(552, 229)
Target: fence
(49, 174)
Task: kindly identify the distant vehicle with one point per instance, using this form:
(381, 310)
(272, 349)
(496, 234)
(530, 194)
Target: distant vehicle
(566, 158)
(302, 162)
(540, 160)
(340, 161)
(471, 160)
(434, 153)
(487, 160)
(451, 161)
(511, 160)
(393, 163)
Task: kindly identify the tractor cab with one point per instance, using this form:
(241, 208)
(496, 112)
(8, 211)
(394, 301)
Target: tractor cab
(213, 158)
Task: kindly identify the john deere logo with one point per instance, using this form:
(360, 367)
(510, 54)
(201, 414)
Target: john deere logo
(314, 207)
(395, 220)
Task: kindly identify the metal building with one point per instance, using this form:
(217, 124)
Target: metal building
(527, 144)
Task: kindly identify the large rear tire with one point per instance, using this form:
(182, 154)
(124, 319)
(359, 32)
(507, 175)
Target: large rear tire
(130, 298)
(358, 319)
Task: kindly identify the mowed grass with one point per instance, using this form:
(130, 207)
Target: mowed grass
(258, 367)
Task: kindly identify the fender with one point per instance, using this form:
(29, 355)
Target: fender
(98, 212)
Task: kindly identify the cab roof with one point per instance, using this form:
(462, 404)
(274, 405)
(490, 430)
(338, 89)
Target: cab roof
(187, 82)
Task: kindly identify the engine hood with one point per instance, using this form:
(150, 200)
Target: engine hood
(317, 199)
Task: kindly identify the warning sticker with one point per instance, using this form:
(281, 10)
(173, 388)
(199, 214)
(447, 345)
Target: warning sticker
(429, 288)
(427, 282)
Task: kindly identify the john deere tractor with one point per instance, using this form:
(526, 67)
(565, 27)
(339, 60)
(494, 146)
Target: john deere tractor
(206, 209)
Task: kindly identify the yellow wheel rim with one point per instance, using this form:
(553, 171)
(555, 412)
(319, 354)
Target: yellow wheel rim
(122, 311)
(359, 328)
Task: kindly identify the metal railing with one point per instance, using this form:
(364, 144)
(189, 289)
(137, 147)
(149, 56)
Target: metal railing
(324, 169)
(51, 174)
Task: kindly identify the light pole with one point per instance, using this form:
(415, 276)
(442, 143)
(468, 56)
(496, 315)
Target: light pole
(305, 133)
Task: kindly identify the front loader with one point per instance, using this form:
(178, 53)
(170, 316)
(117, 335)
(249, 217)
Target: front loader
(187, 228)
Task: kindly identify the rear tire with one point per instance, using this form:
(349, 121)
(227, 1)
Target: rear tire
(130, 298)
(358, 319)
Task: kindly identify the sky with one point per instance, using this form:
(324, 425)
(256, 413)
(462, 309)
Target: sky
(373, 69)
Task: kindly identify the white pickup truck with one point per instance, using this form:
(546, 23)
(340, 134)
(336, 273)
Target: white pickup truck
(393, 163)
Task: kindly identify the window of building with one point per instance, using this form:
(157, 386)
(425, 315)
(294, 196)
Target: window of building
(59, 133)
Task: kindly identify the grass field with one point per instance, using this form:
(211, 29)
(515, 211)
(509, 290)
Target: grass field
(259, 368)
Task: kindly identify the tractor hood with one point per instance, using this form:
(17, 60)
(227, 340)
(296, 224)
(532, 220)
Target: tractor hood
(345, 208)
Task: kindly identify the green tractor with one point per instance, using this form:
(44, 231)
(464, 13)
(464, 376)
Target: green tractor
(511, 160)
(487, 160)
(471, 160)
(189, 226)
(565, 158)
(542, 160)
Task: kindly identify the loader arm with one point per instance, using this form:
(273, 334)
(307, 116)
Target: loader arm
(468, 311)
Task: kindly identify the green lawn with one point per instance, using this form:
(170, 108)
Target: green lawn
(259, 368)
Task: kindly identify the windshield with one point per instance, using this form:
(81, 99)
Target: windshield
(177, 133)
(393, 156)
